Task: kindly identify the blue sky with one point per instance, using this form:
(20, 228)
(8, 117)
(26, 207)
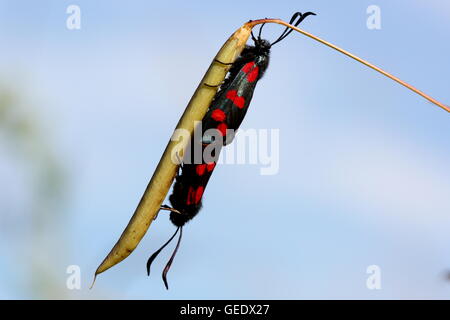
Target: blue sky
(363, 174)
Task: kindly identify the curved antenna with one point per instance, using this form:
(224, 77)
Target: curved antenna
(288, 30)
(154, 255)
(169, 263)
(294, 16)
(260, 29)
(253, 36)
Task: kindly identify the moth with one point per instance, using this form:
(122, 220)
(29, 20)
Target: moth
(223, 118)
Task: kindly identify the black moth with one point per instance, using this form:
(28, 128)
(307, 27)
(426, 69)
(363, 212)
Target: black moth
(224, 115)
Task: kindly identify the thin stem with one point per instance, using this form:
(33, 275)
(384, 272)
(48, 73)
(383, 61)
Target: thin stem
(351, 55)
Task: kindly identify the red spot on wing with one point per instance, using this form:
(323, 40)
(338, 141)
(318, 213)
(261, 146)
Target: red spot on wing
(231, 94)
(253, 75)
(198, 194)
(222, 127)
(238, 101)
(218, 115)
(248, 66)
(200, 169)
(190, 196)
(194, 195)
(210, 166)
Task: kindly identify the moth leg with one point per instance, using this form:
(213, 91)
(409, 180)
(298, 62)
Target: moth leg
(165, 207)
(224, 63)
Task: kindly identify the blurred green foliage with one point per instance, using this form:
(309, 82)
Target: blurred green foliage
(35, 235)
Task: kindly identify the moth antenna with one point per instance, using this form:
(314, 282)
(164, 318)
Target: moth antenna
(154, 255)
(253, 36)
(169, 263)
(260, 29)
(288, 30)
(294, 16)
